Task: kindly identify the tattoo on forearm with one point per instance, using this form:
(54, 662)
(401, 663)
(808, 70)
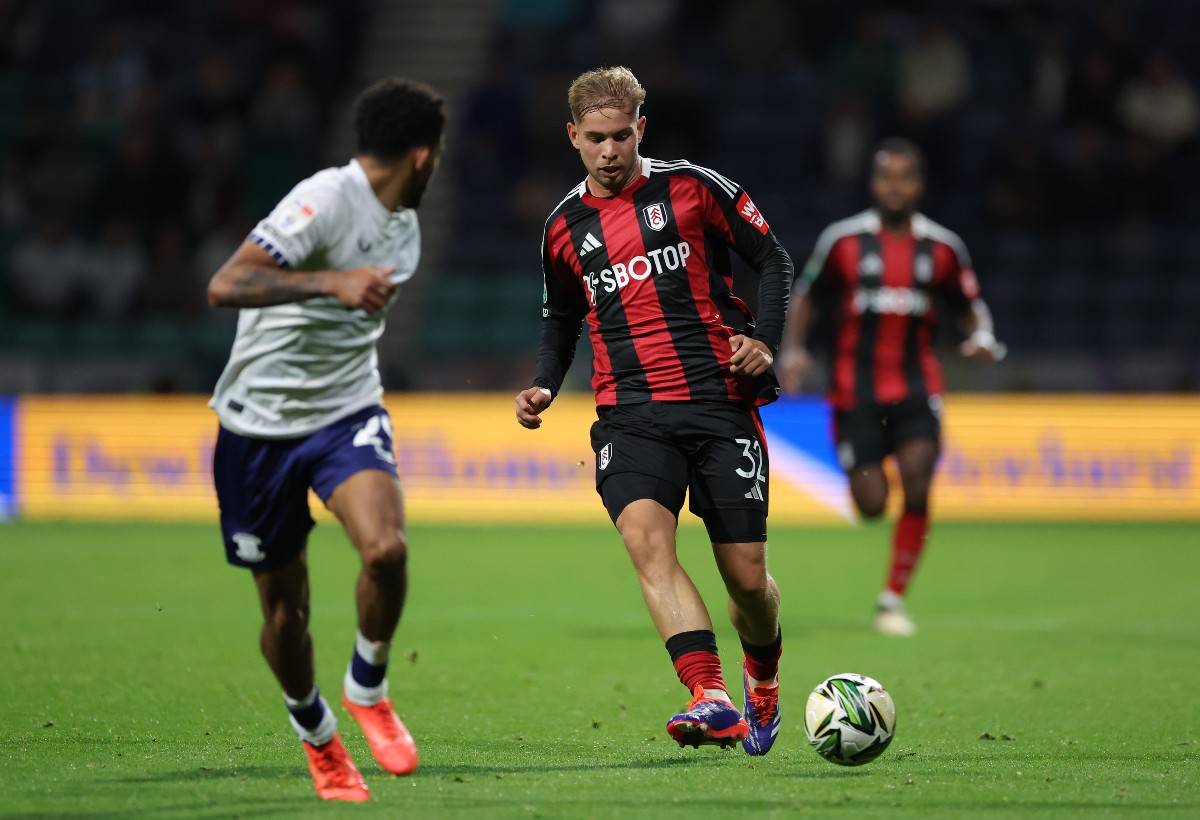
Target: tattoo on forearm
(268, 287)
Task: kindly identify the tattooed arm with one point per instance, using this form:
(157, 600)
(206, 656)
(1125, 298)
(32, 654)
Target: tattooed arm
(252, 278)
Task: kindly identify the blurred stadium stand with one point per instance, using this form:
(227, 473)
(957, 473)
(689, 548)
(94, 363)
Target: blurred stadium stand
(141, 140)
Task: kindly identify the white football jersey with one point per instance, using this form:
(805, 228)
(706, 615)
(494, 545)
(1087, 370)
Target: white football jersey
(297, 367)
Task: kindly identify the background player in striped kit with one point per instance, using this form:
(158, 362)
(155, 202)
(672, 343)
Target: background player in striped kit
(879, 273)
(300, 405)
(640, 251)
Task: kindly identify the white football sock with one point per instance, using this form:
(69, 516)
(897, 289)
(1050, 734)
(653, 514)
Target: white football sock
(373, 652)
(376, 654)
(324, 731)
(363, 695)
(890, 600)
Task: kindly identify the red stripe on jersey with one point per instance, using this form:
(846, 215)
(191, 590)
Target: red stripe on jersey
(559, 240)
(843, 261)
(889, 356)
(891, 331)
(695, 209)
(959, 284)
(644, 315)
(603, 383)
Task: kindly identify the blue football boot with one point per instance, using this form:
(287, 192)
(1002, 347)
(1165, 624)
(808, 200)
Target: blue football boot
(708, 721)
(762, 713)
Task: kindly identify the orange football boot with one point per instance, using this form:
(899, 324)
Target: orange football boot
(390, 742)
(334, 774)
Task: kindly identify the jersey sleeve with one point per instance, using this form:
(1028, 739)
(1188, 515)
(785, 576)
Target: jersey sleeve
(960, 285)
(564, 306)
(299, 225)
(749, 234)
(820, 270)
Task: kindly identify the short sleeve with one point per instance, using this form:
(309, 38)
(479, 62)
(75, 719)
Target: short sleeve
(960, 284)
(299, 225)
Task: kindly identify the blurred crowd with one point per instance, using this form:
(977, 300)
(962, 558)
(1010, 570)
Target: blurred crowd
(1061, 136)
(139, 140)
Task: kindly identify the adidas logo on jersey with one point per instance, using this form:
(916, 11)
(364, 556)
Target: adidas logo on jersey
(590, 243)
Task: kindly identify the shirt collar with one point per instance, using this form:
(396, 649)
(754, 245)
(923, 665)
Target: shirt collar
(918, 226)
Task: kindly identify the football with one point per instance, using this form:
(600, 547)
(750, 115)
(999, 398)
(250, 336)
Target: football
(850, 719)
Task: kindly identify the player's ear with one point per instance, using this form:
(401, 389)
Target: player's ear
(572, 134)
(421, 154)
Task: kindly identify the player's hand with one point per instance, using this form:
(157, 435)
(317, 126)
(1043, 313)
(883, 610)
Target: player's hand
(366, 289)
(985, 347)
(750, 356)
(530, 404)
(793, 365)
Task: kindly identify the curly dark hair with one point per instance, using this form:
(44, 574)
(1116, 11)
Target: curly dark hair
(397, 114)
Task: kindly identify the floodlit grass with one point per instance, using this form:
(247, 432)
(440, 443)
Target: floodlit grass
(1054, 675)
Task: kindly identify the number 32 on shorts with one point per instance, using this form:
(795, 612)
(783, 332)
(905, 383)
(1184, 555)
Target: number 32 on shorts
(752, 453)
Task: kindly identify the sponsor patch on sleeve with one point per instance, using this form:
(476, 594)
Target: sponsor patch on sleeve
(968, 283)
(748, 212)
(294, 216)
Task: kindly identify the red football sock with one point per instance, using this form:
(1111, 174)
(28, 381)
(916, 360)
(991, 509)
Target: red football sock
(908, 540)
(700, 668)
(762, 662)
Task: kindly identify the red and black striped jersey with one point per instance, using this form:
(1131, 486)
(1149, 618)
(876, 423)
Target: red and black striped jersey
(650, 272)
(882, 286)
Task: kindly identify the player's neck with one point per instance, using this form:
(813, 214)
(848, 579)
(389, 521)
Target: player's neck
(898, 224)
(387, 179)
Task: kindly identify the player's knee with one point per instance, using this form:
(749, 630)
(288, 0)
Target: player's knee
(652, 552)
(648, 550)
(386, 555)
(744, 571)
(746, 583)
(870, 494)
(646, 529)
(871, 508)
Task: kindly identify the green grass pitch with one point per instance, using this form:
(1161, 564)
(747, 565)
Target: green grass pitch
(1055, 674)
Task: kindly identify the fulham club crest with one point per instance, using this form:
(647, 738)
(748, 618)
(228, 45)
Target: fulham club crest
(655, 216)
(605, 455)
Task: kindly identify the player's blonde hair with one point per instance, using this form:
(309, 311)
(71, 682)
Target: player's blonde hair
(614, 87)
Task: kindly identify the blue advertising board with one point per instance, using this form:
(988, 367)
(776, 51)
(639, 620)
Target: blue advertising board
(8, 489)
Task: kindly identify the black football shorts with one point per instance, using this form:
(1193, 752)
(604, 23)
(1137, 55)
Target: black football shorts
(712, 451)
(870, 432)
